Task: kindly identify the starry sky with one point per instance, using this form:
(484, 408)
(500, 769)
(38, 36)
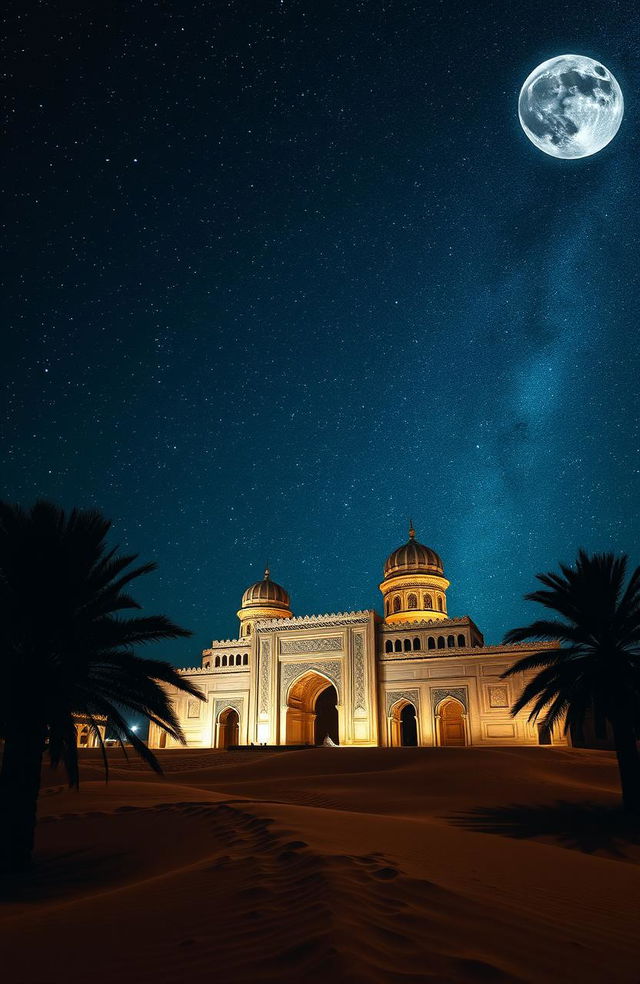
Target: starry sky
(280, 275)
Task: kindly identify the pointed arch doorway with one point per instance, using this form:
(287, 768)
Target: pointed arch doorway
(450, 718)
(404, 725)
(312, 711)
(228, 728)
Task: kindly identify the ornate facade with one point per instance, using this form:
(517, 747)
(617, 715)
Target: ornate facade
(413, 677)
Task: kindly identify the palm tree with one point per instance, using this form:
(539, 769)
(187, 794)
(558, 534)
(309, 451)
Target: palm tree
(597, 669)
(65, 650)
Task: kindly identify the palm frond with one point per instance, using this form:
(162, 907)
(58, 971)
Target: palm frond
(596, 669)
(63, 639)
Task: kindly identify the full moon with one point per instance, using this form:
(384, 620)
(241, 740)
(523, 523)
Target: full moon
(570, 106)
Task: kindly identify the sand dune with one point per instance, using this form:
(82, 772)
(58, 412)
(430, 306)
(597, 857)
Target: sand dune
(444, 865)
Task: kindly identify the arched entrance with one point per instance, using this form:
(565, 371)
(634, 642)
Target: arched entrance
(312, 711)
(544, 734)
(408, 726)
(228, 728)
(404, 724)
(450, 718)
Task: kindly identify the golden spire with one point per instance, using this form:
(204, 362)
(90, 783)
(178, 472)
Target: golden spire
(412, 532)
(267, 572)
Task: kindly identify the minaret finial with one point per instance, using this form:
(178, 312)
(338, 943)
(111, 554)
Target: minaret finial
(267, 572)
(412, 532)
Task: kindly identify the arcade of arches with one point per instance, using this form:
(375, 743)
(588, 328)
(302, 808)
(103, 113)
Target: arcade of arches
(312, 713)
(450, 717)
(89, 733)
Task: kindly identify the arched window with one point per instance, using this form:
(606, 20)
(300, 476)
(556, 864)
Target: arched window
(388, 646)
(412, 601)
(431, 643)
(416, 643)
(249, 629)
(407, 645)
(451, 642)
(217, 661)
(440, 642)
(440, 606)
(245, 659)
(396, 603)
(428, 601)
(461, 641)
(387, 607)
(224, 660)
(398, 646)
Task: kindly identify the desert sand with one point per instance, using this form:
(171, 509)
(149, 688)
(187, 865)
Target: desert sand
(331, 864)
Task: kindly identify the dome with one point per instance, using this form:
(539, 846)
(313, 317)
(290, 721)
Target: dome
(265, 594)
(413, 558)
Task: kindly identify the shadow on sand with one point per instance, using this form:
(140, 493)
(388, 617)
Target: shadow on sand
(587, 827)
(63, 875)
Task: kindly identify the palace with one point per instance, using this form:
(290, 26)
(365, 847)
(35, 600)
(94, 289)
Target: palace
(413, 677)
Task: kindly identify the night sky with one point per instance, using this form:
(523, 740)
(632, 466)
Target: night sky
(280, 275)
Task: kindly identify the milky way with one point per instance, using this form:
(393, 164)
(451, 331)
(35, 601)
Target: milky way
(280, 277)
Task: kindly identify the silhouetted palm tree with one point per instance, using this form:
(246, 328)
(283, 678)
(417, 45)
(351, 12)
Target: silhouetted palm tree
(66, 649)
(597, 669)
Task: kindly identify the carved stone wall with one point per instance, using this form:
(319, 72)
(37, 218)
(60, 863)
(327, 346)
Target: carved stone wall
(264, 677)
(326, 644)
(193, 708)
(223, 703)
(498, 697)
(359, 679)
(393, 696)
(460, 693)
(331, 668)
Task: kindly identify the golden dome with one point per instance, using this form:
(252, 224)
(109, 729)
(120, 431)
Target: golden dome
(265, 594)
(413, 558)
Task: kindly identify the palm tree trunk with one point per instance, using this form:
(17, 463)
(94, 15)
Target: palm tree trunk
(628, 765)
(19, 788)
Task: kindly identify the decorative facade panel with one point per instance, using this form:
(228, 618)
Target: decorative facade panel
(264, 677)
(498, 697)
(359, 682)
(438, 694)
(328, 644)
(501, 731)
(453, 669)
(331, 668)
(393, 696)
(222, 703)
